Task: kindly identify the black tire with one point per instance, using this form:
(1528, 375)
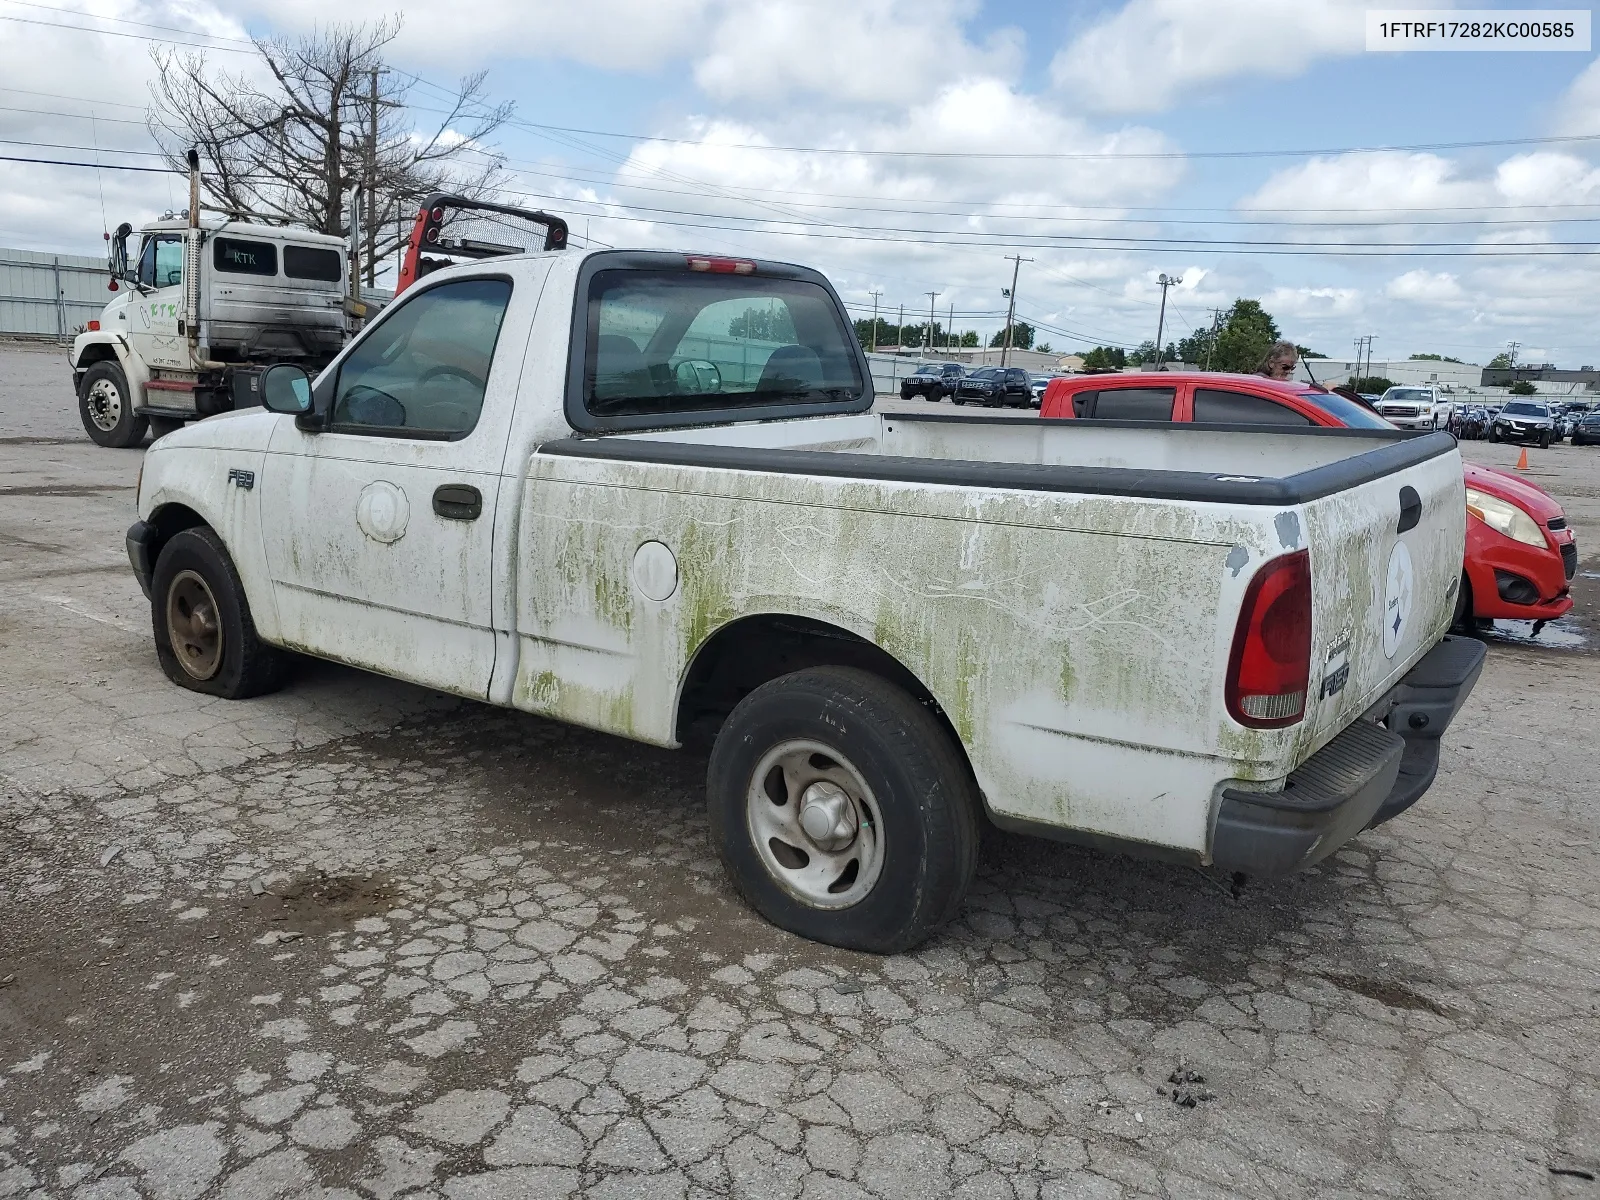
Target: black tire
(1461, 620)
(925, 799)
(906, 393)
(957, 400)
(161, 426)
(1494, 435)
(105, 406)
(196, 563)
(933, 395)
(1544, 441)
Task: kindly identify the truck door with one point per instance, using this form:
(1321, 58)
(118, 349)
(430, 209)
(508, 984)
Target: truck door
(378, 530)
(153, 322)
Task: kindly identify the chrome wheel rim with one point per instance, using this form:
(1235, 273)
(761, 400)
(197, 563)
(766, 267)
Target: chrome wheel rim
(193, 629)
(105, 404)
(815, 824)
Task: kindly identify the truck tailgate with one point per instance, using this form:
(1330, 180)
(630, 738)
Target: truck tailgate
(1385, 567)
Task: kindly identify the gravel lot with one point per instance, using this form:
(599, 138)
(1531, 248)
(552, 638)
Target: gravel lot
(362, 940)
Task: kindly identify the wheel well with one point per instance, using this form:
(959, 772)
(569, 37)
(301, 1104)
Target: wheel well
(95, 352)
(747, 653)
(170, 520)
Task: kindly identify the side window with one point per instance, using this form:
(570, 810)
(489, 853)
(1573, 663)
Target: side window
(161, 262)
(244, 258)
(1134, 404)
(424, 369)
(1239, 408)
(1019, 376)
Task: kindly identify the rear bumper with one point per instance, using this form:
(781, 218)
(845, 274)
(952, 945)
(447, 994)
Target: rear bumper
(141, 543)
(1372, 772)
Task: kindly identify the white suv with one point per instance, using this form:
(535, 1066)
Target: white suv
(1416, 407)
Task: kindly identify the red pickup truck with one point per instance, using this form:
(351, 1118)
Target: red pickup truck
(1521, 554)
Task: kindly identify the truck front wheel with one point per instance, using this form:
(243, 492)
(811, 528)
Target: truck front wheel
(205, 637)
(843, 810)
(105, 406)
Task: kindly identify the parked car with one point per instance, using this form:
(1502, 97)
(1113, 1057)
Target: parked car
(1416, 407)
(890, 627)
(932, 381)
(1524, 421)
(1036, 387)
(1587, 431)
(1520, 553)
(1567, 418)
(995, 387)
(1469, 422)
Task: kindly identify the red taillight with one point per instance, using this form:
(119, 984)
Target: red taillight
(93, 326)
(1270, 668)
(722, 266)
(438, 214)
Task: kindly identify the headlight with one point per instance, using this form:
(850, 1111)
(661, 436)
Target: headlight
(1504, 518)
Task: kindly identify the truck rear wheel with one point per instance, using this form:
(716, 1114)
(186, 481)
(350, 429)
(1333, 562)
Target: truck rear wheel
(205, 637)
(843, 811)
(105, 406)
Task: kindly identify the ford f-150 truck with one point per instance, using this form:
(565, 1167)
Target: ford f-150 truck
(647, 493)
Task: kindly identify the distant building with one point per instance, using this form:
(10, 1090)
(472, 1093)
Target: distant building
(1583, 380)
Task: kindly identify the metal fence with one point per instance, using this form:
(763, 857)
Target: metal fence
(49, 295)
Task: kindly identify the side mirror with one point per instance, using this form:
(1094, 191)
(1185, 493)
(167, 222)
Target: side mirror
(697, 376)
(119, 251)
(285, 388)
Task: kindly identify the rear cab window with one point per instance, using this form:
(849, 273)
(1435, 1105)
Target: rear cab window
(671, 346)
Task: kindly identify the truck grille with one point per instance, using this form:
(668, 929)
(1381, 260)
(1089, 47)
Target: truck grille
(1569, 559)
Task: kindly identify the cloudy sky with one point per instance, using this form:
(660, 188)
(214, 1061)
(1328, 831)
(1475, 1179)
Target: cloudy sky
(907, 147)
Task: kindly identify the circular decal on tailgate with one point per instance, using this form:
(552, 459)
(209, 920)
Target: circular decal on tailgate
(1397, 599)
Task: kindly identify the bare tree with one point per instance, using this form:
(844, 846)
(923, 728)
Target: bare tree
(322, 116)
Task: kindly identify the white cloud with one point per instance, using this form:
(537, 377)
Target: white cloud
(1312, 303)
(618, 35)
(1578, 112)
(1152, 53)
(1426, 287)
(1373, 184)
(849, 52)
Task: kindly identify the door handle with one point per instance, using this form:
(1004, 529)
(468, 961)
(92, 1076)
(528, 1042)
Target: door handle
(457, 502)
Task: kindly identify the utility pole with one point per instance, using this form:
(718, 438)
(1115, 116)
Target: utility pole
(1165, 281)
(1011, 311)
(875, 296)
(932, 296)
(950, 327)
(1216, 323)
(1511, 353)
(372, 181)
(900, 330)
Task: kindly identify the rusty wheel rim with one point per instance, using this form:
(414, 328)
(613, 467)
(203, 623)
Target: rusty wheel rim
(193, 627)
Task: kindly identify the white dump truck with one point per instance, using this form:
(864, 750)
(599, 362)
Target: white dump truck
(648, 493)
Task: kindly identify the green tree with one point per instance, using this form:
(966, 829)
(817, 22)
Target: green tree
(970, 338)
(1021, 337)
(1196, 348)
(767, 323)
(886, 333)
(1433, 358)
(1500, 360)
(1308, 352)
(1523, 388)
(1372, 385)
(1105, 358)
(1244, 336)
(1145, 352)
(1044, 348)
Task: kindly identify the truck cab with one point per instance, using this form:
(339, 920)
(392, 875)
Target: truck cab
(195, 304)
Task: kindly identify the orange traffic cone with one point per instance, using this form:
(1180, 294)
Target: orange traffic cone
(1522, 460)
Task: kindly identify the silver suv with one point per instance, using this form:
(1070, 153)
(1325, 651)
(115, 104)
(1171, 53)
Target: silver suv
(1524, 421)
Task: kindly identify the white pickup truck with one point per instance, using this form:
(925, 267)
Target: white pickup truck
(647, 493)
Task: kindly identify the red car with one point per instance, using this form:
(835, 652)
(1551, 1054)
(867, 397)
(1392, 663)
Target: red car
(1520, 557)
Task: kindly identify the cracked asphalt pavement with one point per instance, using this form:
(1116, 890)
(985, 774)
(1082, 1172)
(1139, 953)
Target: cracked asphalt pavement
(361, 940)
